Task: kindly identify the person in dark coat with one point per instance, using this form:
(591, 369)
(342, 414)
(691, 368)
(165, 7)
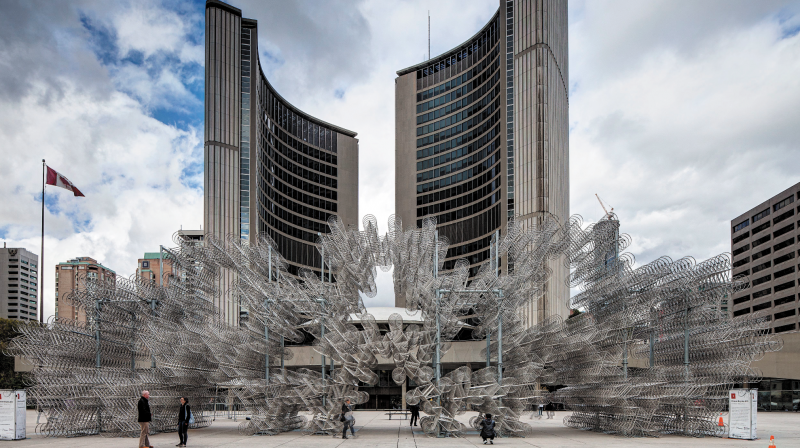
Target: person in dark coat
(348, 419)
(145, 417)
(487, 429)
(550, 408)
(184, 414)
(414, 408)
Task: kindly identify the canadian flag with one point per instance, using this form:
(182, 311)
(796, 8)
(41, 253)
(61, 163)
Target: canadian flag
(58, 179)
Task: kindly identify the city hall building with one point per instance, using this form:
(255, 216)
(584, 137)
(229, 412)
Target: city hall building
(270, 168)
(482, 138)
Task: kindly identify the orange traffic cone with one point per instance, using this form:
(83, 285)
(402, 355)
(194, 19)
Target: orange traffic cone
(772, 442)
(721, 423)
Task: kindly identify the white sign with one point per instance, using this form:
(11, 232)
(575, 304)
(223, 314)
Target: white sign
(12, 414)
(743, 406)
(22, 402)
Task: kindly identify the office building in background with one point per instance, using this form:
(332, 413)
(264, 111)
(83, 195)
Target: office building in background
(69, 277)
(764, 244)
(482, 137)
(19, 282)
(270, 168)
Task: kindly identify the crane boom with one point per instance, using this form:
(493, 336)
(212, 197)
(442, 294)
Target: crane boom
(608, 213)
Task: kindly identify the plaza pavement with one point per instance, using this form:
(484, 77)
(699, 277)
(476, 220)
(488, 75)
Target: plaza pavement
(374, 429)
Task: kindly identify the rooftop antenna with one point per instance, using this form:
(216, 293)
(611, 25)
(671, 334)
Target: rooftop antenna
(429, 34)
(609, 213)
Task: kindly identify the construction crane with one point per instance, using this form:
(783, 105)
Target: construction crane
(609, 213)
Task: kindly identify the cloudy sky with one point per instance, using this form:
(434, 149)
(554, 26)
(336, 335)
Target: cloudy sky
(683, 114)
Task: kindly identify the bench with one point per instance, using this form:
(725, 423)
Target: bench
(403, 413)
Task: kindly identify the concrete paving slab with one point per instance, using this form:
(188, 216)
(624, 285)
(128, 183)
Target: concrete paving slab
(374, 429)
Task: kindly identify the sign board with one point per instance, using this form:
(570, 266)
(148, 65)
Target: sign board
(12, 414)
(743, 407)
(22, 401)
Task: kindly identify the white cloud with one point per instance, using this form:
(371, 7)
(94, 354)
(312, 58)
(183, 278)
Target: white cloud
(682, 115)
(681, 135)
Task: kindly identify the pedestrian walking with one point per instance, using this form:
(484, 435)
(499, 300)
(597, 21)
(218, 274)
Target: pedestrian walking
(487, 429)
(145, 417)
(184, 419)
(551, 410)
(541, 407)
(348, 419)
(414, 408)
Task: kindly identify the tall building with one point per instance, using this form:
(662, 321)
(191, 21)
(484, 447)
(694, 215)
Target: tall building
(156, 267)
(765, 243)
(68, 277)
(482, 137)
(270, 168)
(19, 282)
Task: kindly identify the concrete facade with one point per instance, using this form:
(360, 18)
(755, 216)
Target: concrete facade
(19, 282)
(69, 275)
(765, 248)
(270, 168)
(482, 137)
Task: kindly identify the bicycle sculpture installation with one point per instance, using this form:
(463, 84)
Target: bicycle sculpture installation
(171, 339)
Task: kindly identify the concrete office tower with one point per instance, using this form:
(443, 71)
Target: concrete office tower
(270, 168)
(69, 274)
(19, 282)
(764, 243)
(482, 136)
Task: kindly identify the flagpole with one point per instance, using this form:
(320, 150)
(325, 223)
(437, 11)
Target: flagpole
(41, 259)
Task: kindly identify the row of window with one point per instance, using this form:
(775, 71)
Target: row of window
(294, 251)
(783, 203)
(761, 215)
(466, 102)
(464, 138)
(483, 47)
(296, 157)
(465, 126)
(456, 178)
(458, 93)
(469, 210)
(296, 170)
(460, 201)
(472, 259)
(458, 153)
(776, 302)
(298, 221)
(457, 251)
(298, 195)
(458, 189)
(299, 184)
(777, 234)
(297, 208)
(267, 219)
(460, 164)
(461, 116)
(299, 127)
(473, 228)
(776, 316)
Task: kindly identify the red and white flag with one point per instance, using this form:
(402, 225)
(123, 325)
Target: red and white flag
(57, 179)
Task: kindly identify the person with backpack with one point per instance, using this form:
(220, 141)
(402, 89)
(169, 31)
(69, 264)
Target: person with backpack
(487, 429)
(348, 419)
(185, 418)
(145, 417)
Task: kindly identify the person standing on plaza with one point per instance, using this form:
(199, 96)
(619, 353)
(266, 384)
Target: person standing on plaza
(487, 429)
(541, 408)
(145, 417)
(414, 408)
(348, 419)
(550, 408)
(184, 416)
